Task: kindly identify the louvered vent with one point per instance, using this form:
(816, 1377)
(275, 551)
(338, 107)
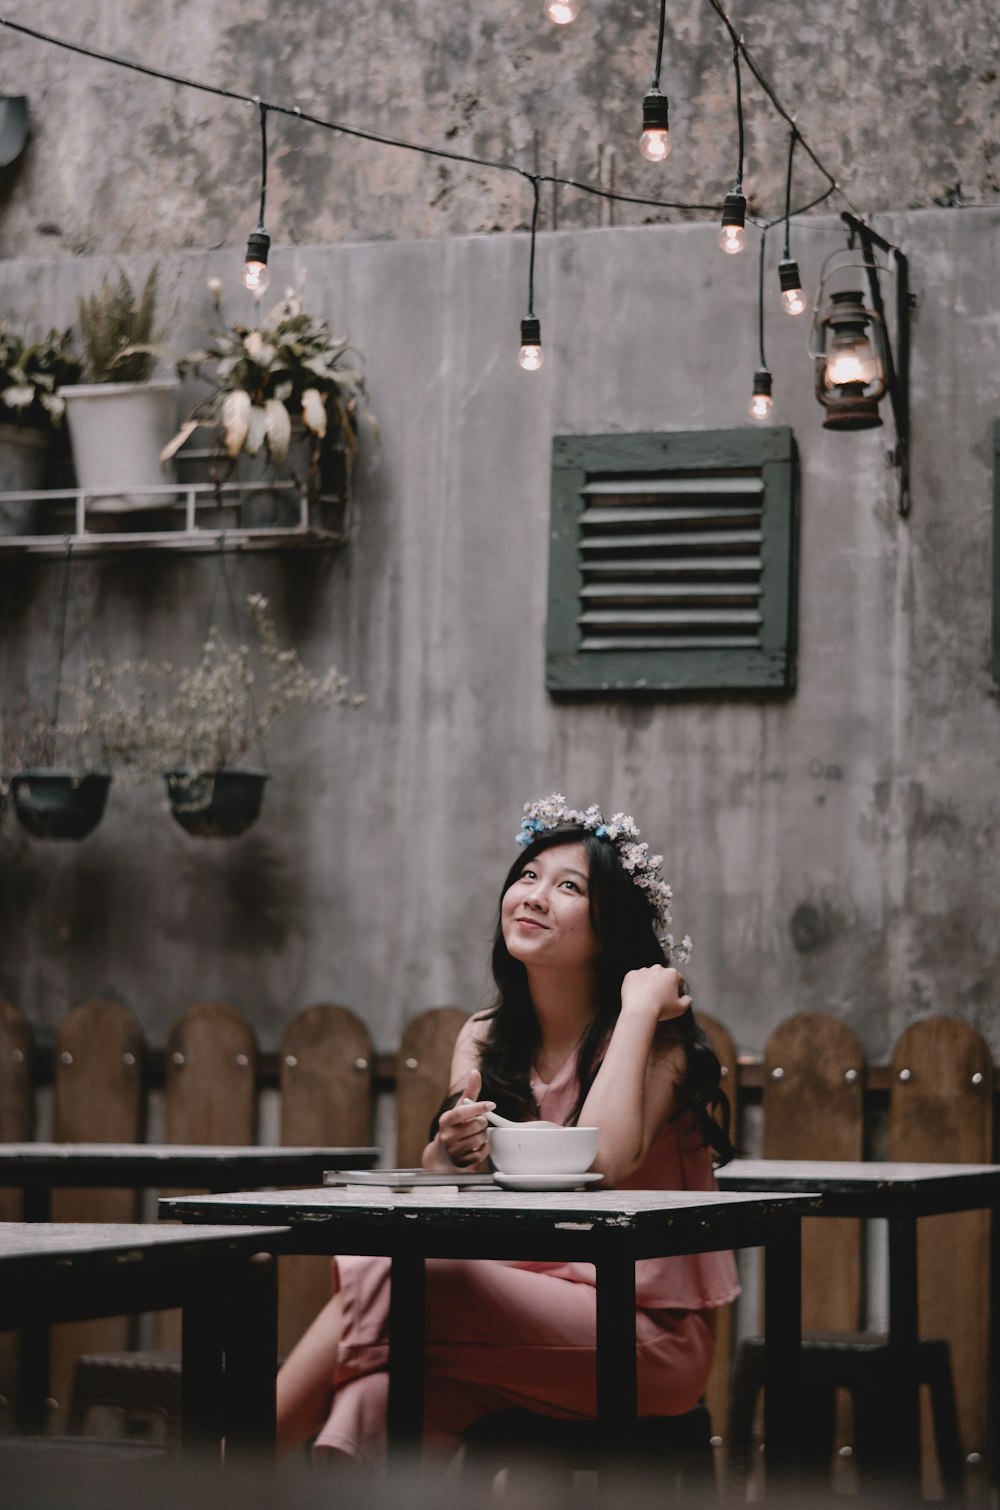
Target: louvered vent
(671, 562)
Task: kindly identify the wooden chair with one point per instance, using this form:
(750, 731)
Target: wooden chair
(327, 1071)
(209, 1097)
(812, 1104)
(99, 1055)
(676, 1449)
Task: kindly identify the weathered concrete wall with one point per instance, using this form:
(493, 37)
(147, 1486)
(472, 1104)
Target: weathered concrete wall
(900, 103)
(839, 850)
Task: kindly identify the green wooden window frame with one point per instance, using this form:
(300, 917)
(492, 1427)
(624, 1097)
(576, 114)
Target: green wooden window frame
(704, 643)
(996, 551)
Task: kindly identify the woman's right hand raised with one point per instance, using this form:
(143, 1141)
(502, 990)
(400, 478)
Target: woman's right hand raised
(462, 1130)
(657, 989)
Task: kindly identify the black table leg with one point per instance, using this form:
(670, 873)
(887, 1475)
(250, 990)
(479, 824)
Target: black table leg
(34, 1342)
(251, 1354)
(202, 1367)
(903, 1405)
(993, 1372)
(616, 1352)
(406, 1358)
(783, 1347)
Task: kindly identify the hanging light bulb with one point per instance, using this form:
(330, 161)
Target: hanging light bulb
(733, 236)
(654, 143)
(793, 300)
(531, 355)
(255, 276)
(761, 402)
(562, 12)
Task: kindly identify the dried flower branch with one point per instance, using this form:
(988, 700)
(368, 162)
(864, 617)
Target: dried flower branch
(151, 718)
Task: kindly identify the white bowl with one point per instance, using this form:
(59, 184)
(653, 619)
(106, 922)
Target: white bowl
(532, 1150)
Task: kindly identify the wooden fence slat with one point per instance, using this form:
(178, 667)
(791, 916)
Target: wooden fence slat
(97, 1099)
(941, 1111)
(16, 1047)
(717, 1391)
(209, 1096)
(812, 1100)
(327, 1061)
(210, 1076)
(423, 1065)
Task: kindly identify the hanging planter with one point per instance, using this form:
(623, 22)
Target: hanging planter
(56, 801)
(53, 804)
(193, 724)
(215, 804)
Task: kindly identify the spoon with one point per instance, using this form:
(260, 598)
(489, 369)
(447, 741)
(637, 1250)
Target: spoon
(495, 1119)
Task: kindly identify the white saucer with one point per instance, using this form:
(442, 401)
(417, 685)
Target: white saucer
(544, 1181)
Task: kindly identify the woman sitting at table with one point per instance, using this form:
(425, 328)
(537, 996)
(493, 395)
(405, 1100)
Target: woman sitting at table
(591, 1026)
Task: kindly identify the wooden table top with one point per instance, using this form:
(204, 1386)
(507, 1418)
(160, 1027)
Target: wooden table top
(124, 1241)
(471, 1221)
(871, 1186)
(153, 1164)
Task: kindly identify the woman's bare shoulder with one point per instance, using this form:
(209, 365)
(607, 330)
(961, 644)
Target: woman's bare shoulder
(474, 1030)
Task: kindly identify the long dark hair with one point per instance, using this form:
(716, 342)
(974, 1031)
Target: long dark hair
(624, 925)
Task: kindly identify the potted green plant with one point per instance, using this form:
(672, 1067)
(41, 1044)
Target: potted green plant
(288, 394)
(122, 414)
(193, 725)
(32, 373)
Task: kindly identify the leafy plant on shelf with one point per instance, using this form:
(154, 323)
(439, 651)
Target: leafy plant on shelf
(153, 718)
(31, 374)
(289, 368)
(117, 330)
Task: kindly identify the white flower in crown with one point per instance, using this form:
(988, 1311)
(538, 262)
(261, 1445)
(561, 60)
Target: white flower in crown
(623, 832)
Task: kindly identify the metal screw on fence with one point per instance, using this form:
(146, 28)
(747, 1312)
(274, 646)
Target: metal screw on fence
(18, 1056)
(977, 1078)
(128, 1059)
(905, 1075)
(65, 1057)
(178, 1058)
(291, 1061)
(411, 1064)
(242, 1061)
(777, 1073)
(850, 1076)
(361, 1063)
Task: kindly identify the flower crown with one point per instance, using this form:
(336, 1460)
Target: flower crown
(623, 832)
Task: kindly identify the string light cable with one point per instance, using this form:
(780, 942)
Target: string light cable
(654, 143)
(275, 107)
(789, 279)
(761, 402)
(771, 94)
(531, 355)
(732, 234)
(256, 277)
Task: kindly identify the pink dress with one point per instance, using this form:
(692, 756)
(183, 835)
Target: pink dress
(503, 1333)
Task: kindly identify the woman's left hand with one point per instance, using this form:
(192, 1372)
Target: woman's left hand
(656, 988)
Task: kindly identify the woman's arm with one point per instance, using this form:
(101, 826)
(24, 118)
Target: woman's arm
(460, 1141)
(635, 1089)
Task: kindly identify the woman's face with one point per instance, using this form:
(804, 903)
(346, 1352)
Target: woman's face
(545, 913)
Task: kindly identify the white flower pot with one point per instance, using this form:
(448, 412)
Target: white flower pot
(117, 432)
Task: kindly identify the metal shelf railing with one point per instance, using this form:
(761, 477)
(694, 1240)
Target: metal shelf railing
(190, 535)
